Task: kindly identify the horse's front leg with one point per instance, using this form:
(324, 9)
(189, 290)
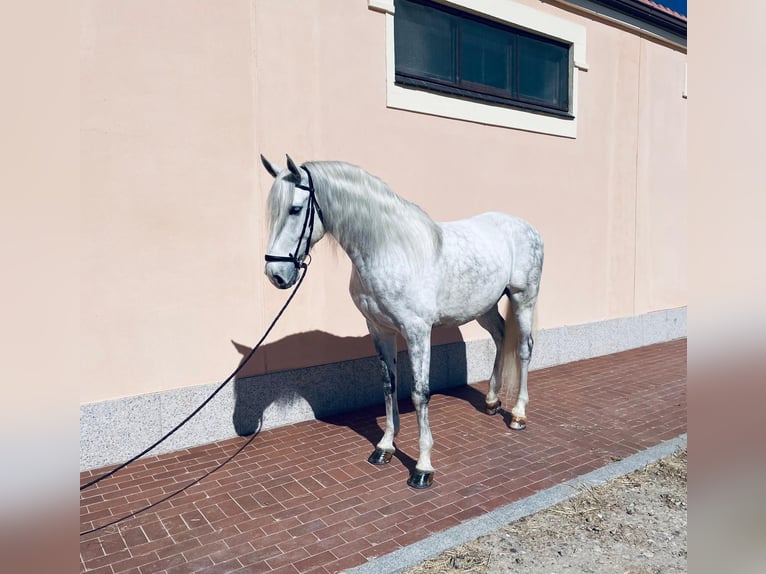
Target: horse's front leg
(385, 345)
(419, 343)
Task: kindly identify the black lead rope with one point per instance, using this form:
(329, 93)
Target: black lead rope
(183, 422)
(173, 494)
(213, 394)
(299, 264)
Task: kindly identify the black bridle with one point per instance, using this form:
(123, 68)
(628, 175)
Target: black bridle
(308, 223)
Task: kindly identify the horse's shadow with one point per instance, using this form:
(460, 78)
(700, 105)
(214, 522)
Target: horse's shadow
(346, 393)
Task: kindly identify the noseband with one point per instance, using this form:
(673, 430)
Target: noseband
(308, 223)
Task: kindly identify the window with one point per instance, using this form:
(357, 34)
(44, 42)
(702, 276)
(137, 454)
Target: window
(488, 90)
(442, 50)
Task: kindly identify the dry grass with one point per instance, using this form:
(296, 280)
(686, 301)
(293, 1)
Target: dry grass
(635, 522)
(469, 559)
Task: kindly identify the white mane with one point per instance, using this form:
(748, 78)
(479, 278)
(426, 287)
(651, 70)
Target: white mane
(361, 211)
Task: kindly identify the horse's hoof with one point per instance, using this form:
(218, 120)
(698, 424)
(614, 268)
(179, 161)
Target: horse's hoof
(420, 479)
(380, 456)
(518, 423)
(491, 409)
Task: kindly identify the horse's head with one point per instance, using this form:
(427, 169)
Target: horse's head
(295, 222)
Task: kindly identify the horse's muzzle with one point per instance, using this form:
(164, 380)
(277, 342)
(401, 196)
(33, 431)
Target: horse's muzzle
(281, 275)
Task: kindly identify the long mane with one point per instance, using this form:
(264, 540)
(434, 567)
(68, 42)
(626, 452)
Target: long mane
(360, 211)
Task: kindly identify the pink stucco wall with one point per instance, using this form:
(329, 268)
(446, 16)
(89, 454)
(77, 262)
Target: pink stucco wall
(178, 100)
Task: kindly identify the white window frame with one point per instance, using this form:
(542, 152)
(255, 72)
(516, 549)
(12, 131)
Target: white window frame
(507, 12)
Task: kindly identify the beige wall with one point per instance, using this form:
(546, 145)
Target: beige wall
(178, 100)
(170, 230)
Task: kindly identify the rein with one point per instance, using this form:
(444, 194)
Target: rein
(308, 222)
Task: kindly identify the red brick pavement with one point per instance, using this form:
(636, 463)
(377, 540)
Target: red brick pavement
(303, 499)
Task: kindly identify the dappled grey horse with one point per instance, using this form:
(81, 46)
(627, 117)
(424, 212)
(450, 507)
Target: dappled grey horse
(410, 274)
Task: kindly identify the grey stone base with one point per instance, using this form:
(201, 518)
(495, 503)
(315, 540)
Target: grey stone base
(113, 431)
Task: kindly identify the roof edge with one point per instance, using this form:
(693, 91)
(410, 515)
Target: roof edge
(666, 20)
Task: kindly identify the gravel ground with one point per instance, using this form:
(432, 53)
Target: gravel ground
(635, 524)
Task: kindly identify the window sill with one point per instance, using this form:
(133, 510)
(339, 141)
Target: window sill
(449, 92)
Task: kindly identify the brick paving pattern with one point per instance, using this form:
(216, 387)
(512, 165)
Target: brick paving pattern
(303, 499)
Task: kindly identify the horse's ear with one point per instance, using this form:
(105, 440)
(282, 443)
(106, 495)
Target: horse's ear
(270, 168)
(294, 169)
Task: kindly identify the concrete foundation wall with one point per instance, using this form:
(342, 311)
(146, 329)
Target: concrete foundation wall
(113, 431)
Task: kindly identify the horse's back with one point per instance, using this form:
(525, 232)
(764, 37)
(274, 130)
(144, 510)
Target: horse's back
(524, 243)
(497, 234)
(481, 257)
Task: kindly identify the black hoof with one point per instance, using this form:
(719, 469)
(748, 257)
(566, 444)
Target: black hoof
(420, 479)
(380, 456)
(492, 409)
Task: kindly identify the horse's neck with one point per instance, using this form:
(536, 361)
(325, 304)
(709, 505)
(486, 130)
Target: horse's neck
(345, 227)
(373, 233)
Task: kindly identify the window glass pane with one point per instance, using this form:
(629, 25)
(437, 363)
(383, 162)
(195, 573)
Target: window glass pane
(484, 55)
(541, 67)
(440, 49)
(425, 42)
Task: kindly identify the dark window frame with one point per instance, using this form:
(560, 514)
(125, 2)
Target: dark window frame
(483, 93)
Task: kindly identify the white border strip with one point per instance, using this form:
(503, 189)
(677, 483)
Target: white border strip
(386, 6)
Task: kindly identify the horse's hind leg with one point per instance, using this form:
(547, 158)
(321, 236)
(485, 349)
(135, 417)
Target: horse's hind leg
(523, 306)
(385, 344)
(493, 322)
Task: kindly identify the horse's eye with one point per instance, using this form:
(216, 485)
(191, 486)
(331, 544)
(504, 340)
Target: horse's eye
(295, 209)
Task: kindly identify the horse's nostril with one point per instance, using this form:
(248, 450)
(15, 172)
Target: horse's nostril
(279, 280)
